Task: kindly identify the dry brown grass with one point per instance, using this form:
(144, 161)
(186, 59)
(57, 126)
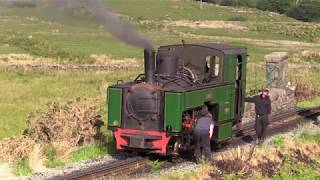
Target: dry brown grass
(207, 24)
(64, 125)
(304, 90)
(266, 160)
(17, 148)
(258, 42)
(97, 59)
(69, 124)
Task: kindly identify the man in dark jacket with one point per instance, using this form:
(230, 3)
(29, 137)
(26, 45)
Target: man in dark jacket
(203, 132)
(262, 104)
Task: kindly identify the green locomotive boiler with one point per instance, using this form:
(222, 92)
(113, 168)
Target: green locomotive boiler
(156, 112)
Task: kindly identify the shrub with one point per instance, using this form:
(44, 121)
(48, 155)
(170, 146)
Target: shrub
(306, 11)
(229, 3)
(21, 4)
(237, 18)
(280, 6)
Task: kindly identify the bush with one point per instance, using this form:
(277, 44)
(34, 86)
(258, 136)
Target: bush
(306, 11)
(248, 3)
(21, 4)
(229, 3)
(237, 18)
(280, 6)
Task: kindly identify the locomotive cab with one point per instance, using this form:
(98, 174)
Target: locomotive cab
(156, 112)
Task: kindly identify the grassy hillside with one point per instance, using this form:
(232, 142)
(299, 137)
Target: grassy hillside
(73, 39)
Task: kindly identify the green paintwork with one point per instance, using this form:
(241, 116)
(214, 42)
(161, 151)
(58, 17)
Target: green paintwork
(229, 70)
(114, 106)
(174, 103)
(224, 131)
(223, 96)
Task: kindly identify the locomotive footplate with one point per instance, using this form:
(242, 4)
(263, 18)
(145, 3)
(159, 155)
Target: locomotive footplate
(140, 141)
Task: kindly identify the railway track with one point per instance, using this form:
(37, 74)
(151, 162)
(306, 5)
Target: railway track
(278, 123)
(125, 168)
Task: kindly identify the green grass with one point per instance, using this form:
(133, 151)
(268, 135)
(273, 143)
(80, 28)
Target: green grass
(92, 151)
(308, 136)
(155, 165)
(176, 10)
(80, 36)
(52, 159)
(310, 103)
(22, 168)
(278, 141)
(23, 92)
(297, 170)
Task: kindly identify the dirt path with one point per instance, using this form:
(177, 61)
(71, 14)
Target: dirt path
(267, 42)
(5, 172)
(101, 62)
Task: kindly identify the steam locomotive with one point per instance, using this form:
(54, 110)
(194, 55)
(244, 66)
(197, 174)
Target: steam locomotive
(156, 112)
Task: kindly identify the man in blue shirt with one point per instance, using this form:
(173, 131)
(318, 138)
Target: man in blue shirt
(203, 132)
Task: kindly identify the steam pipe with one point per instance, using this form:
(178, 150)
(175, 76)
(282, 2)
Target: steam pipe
(149, 65)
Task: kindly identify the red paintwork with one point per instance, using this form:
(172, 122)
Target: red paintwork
(161, 143)
(188, 123)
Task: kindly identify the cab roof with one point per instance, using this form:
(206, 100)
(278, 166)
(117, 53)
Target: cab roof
(225, 48)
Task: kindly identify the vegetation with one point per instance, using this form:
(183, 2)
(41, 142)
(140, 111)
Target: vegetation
(310, 137)
(74, 39)
(92, 151)
(305, 10)
(278, 141)
(309, 103)
(52, 159)
(155, 165)
(289, 156)
(22, 168)
(26, 91)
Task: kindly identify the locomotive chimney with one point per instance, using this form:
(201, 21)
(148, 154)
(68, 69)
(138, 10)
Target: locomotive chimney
(149, 65)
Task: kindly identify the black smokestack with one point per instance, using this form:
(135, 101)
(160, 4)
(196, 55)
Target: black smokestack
(149, 65)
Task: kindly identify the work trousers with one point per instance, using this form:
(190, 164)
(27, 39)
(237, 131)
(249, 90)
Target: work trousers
(202, 142)
(261, 124)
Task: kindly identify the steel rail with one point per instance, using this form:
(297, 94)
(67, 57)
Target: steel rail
(110, 170)
(302, 112)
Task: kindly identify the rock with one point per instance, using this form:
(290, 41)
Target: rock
(276, 57)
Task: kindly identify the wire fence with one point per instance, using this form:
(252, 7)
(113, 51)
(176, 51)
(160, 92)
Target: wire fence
(256, 78)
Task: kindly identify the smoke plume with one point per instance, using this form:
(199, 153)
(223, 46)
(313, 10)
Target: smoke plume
(120, 29)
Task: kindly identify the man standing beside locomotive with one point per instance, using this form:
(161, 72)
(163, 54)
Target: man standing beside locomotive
(262, 105)
(203, 132)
